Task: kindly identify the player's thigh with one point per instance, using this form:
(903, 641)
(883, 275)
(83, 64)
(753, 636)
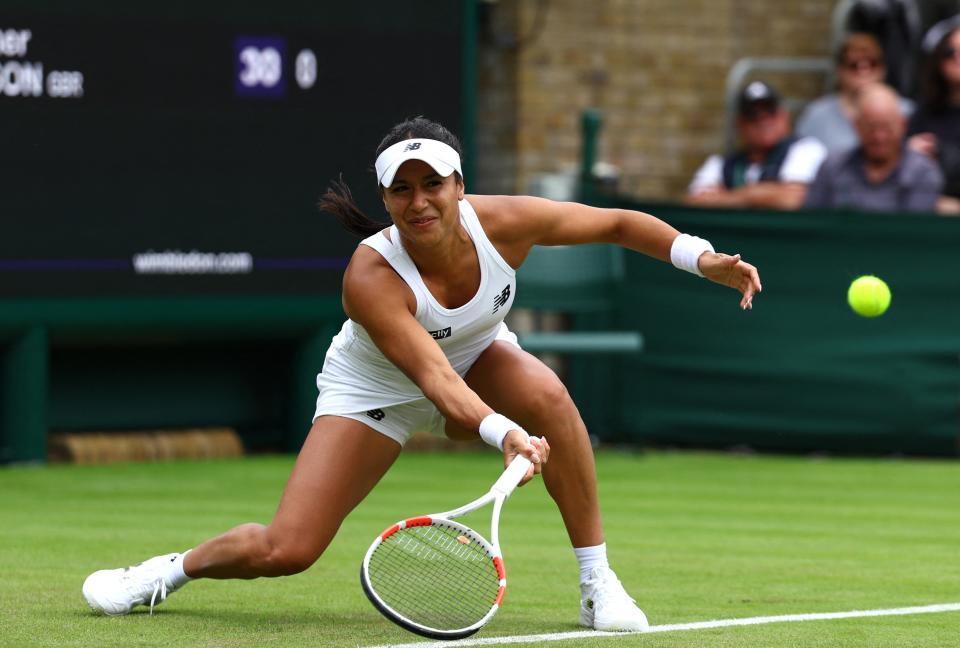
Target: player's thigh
(519, 386)
(340, 462)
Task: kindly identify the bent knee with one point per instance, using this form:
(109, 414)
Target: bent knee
(285, 556)
(547, 398)
(551, 392)
(289, 561)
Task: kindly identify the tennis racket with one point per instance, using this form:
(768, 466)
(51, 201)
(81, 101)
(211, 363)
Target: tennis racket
(439, 578)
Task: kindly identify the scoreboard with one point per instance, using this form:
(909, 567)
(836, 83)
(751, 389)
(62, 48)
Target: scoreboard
(179, 148)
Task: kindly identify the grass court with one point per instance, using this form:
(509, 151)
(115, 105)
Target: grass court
(694, 537)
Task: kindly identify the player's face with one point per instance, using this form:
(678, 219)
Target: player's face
(422, 203)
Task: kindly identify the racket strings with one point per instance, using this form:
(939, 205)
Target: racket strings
(437, 576)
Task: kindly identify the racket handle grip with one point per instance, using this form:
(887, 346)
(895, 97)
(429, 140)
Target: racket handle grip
(511, 476)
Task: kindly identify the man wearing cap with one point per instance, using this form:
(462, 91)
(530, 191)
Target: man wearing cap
(772, 168)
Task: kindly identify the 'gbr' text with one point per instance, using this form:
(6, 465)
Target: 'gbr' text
(21, 78)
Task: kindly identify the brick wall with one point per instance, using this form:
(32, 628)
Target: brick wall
(656, 70)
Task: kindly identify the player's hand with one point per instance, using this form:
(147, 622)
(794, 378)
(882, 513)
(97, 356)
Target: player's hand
(535, 449)
(734, 272)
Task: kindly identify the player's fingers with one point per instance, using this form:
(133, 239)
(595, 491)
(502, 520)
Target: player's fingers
(534, 452)
(754, 277)
(520, 444)
(536, 455)
(544, 450)
(528, 449)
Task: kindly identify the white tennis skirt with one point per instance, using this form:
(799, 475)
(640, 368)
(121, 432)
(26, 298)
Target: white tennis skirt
(387, 402)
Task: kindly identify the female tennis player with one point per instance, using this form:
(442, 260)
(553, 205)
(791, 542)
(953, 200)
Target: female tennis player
(425, 348)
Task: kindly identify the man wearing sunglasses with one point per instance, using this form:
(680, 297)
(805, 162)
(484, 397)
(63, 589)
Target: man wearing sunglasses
(772, 168)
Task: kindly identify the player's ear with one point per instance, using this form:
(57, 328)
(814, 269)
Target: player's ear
(460, 187)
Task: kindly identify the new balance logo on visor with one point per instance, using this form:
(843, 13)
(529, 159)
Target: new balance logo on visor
(502, 298)
(412, 146)
(441, 334)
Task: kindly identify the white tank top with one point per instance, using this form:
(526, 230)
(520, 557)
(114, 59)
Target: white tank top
(357, 369)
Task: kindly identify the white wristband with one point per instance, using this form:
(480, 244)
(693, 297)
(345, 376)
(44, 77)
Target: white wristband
(686, 250)
(494, 428)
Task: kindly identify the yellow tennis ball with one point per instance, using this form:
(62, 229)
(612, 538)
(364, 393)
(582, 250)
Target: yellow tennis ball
(869, 296)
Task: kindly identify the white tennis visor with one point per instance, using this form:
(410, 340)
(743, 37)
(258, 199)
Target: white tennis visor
(443, 158)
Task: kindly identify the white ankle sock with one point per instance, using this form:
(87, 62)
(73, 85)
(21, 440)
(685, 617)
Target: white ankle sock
(176, 577)
(591, 558)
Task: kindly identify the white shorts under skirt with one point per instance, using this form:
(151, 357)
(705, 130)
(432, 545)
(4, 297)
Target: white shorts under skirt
(400, 422)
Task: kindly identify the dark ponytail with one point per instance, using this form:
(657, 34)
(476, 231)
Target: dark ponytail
(338, 199)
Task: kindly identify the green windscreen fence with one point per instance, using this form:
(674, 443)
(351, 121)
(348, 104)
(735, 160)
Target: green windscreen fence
(800, 371)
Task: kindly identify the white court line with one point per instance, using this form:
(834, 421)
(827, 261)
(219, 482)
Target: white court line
(700, 625)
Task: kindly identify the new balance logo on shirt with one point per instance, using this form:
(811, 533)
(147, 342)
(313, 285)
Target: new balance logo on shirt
(502, 298)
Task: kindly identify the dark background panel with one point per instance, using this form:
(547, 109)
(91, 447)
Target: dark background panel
(161, 153)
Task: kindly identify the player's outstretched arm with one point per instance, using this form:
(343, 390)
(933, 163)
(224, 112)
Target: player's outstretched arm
(516, 223)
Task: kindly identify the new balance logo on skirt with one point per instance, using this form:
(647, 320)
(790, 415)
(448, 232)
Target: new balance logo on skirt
(376, 414)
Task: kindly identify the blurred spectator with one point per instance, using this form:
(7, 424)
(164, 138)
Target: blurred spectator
(859, 63)
(934, 129)
(882, 174)
(897, 26)
(771, 170)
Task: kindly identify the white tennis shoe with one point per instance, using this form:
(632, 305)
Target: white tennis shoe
(117, 591)
(605, 605)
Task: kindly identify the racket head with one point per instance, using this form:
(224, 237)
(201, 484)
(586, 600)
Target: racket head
(434, 577)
